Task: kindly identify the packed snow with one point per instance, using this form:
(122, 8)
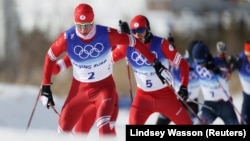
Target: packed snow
(17, 103)
(16, 106)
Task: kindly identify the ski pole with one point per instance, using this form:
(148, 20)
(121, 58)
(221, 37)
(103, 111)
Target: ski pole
(230, 100)
(54, 109)
(203, 105)
(124, 27)
(185, 104)
(190, 109)
(169, 80)
(33, 110)
(130, 83)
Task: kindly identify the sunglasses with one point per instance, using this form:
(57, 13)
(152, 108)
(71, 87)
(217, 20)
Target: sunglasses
(84, 25)
(199, 61)
(138, 30)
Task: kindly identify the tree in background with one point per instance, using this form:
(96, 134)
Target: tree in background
(9, 42)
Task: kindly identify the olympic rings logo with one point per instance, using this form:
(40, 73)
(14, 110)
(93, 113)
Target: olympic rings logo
(204, 73)
(192, 76)
(88, 50)
(139, 59)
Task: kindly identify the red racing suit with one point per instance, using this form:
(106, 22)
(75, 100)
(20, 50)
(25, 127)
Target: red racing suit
(85, 123)
(152, 95)
(92, 83)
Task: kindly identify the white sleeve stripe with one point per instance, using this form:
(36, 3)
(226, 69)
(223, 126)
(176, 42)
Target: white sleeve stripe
(51, 55)
(177, 59)
(102, 121)
(131, 40)
(62, 65)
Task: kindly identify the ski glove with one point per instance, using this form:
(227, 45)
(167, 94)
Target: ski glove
(46, 96)
(231, 62)
(124, 27)
(166, 74)
(183, 92)
(209, 64)
(171, 39)
(159, 69)
(221, 47)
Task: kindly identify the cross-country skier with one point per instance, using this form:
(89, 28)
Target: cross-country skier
(151, 95)
(85, 123)
(213, 73)
(242, 64)
(193, 87)
(89, 46)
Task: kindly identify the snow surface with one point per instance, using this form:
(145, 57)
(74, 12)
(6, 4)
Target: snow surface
(16, 105)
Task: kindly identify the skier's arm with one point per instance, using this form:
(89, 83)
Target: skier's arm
(119, 53)
(118, 38)
(55, 50)
(62, 65)
(173, 55)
